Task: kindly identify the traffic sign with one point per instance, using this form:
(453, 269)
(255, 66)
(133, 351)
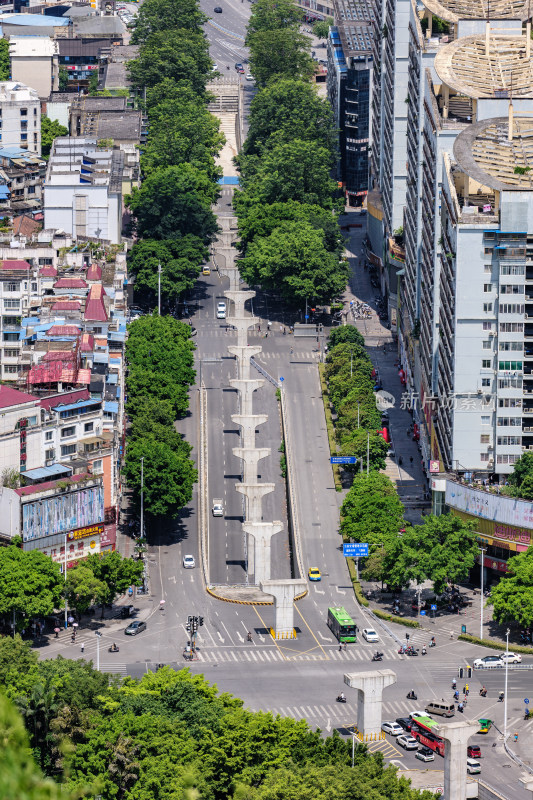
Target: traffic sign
(282, 379)
(526, 700)
(463, 628)
(355, 549)
(423, 613)
(433, 607)
(343, 460)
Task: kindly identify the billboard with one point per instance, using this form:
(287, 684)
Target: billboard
(508, 511)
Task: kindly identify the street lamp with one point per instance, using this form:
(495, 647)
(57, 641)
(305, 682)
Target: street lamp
(159, 289)
(507, 632)
(98, 637)
(66, 600)
(142, 497)
(482, 551)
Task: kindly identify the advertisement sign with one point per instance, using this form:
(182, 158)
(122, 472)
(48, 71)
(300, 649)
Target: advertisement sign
(81, 533)
(494, 507)
(434, 467)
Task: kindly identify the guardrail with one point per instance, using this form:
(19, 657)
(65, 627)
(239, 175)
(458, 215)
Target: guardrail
(502, 666)
(291, 489)
(263, 372)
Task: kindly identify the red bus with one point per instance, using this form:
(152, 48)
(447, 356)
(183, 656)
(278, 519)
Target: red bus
(421, 730)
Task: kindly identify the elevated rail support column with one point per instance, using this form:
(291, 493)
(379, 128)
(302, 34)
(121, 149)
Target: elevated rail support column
(370, 687)
(284, 592)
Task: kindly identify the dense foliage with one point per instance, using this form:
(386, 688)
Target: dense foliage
(512, 597)
(50, 129)
(288, 207)
(160, 357)
(170, 735)
(32, 585)
(100, 578)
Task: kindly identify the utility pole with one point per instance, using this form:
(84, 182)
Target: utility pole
(98, 637)
(66, 601)
(142, 497)
(507, 632)
(482, 551)
(159, 289)
(193, 623)
(358, 413)
(368, 453)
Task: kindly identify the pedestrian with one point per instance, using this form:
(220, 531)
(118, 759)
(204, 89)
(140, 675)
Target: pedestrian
(516, 736)
(344, 646)
(340, 648)
(400, 461)
(282, 329)
(451, 634)
(467, 690)
(411, 460)
(259, 328)
(292, 350)
(83, 647)
(269, 325)
(266, 334)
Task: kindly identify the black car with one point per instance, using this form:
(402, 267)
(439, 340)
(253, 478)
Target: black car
(135, 627)
(217, 10)
(405, 723)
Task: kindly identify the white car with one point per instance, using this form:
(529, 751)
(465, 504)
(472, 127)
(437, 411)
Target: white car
(473, 767)
(425, 754)
(249, 77)
(189, 562)
(370, 635)
(392, 727)
(488, 661)
(511, 658)
(407, 742)
(221, 311)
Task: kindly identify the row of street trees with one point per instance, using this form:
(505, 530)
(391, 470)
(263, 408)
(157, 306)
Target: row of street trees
(159, 351)
(169, 735)
(172, 215)
(288, 207)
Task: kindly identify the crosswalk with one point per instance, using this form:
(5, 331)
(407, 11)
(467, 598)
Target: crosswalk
(281, 653)
(336, 715)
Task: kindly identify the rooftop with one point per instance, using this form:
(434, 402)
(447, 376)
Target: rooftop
(36, 46)
(454, 10)
(485, 152)
(12, 397)
(353, 19)
(11, 265)
(469, 67)
(13, 90)
(34, 20)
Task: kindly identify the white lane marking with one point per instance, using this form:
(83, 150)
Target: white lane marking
(220, 637)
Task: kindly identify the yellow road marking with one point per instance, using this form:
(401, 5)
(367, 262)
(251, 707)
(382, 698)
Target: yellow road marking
(268, 628)
(312, 634)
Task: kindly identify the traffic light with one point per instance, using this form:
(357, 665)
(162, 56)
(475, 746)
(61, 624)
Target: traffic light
(188, 625)
(200, 621)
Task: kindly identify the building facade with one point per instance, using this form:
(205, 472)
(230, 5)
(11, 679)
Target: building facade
(20, 117)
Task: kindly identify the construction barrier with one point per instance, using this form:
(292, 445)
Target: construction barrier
(368, 737)
(283, 634)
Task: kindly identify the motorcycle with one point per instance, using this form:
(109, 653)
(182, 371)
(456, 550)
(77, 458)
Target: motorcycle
(341, 698)
(377, 657)
(527, 714)
(411, 696)
(412, 651)
(113, 649)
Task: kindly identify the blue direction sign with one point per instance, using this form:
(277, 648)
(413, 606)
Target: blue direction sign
(355, 549)
(422, 613)
(281, 378)
(526, 700)
(433, 607)
(343, 460)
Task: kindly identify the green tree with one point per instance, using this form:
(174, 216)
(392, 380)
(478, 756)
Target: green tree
(372, 511)
(279, 53)
(180, 261)
(512, 597)
(181, 131)
(115, 572)
(442, 549)
(267, 15)
(295, 170)
(50, 130)
(19, 776)
(155, 420)
(160, 15)
(260, 220)
(5, 62)
(174, 202)
(359, 442)
(18, 665)
(83, 588)
(38, 708)
(321, 28)
(294, 261)
(31, 582)
(289, 109)
(144, 383)
(178, 54)
(169, 475)
(64, 80)
(345, 334)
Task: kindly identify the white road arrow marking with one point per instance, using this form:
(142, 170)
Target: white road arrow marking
(340, 591)
(241, 638)
(172, 578)
(220, 637)
(260, 637)
(328, 725)
(319, 591)
(325, 638)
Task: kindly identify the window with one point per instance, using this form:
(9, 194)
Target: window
(509, 402)
(487, 287)
(97, 466)
(34, 286)
(509, 422)
(486, 363)
(486, 381)
(88, 427)
(485, 420)
(23, 137)
(49, 435)
(12, 305)
(12, 286)
(512, 288)
(49, 454)
(485, 438)
(510, 366)
(511, 327)
(11, 369)
(24, 125)
(509, 440)
(512, 269)
(23, 112)
(515, 346)
(507, 459)
(9, 353)
(484, 456)
(487, 326)
(488, 251)
(35, 112)
(10, 337)
(510, 383)
(488, 267)
(487, 344)
(70, 431)
(68, 449)
(34, 138)
(487, 306)
(511, 308)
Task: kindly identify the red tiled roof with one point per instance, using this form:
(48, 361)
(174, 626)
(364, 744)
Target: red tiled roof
(86, 343)
(40, 487)
(48, 272)
(25, 226)
(70, 283)
(58, 355)
(14, 265)
(94, 273)
(12, 397)
(63, 399)
(67, 305)
(84, 376)
(95, 308)
(63, 330)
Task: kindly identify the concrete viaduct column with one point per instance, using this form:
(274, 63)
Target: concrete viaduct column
(239, 298)
(242, 324)
(456, 736)
(244, 353)
(246, 389)
(254, 493)
(262, 533)
(284, 592)
(250, 457)
(248, 423)
(370, 687)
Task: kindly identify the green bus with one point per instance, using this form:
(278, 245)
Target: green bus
(342, 625)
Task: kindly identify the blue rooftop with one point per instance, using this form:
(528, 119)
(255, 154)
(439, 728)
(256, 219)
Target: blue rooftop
(34, 20)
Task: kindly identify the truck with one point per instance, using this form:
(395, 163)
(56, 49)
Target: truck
(218, 507)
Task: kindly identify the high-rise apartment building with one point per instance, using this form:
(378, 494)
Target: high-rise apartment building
(20, 117)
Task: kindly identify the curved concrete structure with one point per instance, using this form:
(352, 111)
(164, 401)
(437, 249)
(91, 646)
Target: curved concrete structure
(454, 10)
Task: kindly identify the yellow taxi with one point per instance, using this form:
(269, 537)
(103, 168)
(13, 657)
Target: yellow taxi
(206, 271)
(314, 574)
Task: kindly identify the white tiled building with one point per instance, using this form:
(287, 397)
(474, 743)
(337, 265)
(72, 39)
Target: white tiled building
(20, 117)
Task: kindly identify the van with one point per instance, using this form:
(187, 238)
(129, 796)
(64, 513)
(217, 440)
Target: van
(441, 707)
(473, 767)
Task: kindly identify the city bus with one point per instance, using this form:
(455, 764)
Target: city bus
(423, 730)
(342, 625)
